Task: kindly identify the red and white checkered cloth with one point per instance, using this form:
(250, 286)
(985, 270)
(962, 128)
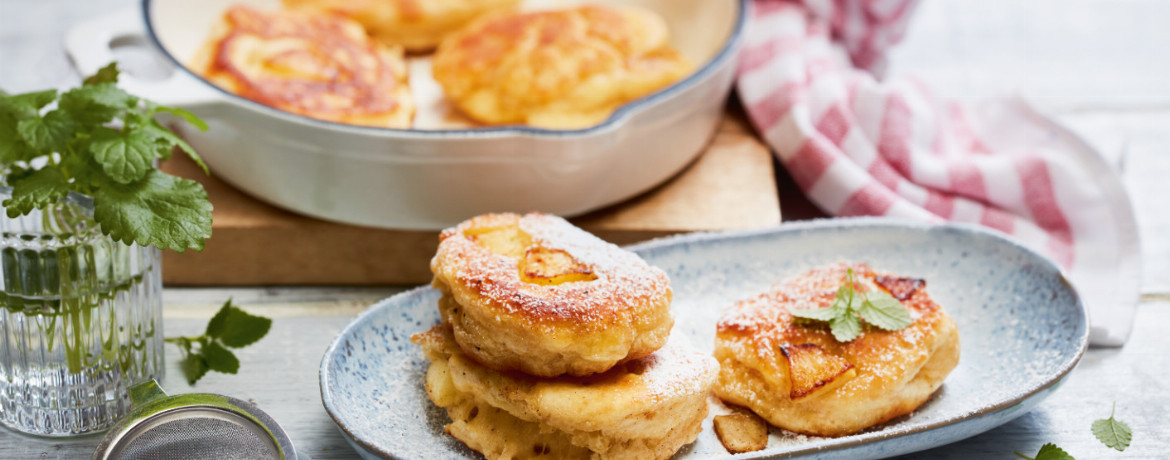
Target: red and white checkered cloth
(859, 146)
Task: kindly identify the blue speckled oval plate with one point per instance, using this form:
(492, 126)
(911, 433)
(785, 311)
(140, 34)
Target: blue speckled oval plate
(1021, 325)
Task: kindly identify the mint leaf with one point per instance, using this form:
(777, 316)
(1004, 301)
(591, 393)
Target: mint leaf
(47, 134)
(170, 140)
(220, 359)
(97, 104)
(160, 210)
(845, 327)
(37, 190)
(125, 155)
(12, 148)
(194, 367)
(230, 327)
(884, 311)
(241, 329)
(134, 203)
(26, 105)
(1112, 432)
(107, 74)
(1051, 452)
(219, 321)
(818, 314)
(849, 306)
(181, 113)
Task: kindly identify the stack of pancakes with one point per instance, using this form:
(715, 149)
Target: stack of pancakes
(555, 344)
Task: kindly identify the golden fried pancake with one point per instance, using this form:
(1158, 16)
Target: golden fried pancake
(417, 25)
(560, 69)
(319, 66)
(643, 409)
(534, 293)
(798, 377)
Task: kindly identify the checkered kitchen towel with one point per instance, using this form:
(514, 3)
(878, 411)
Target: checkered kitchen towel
(860, 146)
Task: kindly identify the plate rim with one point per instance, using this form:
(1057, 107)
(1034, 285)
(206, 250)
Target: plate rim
(861, 439)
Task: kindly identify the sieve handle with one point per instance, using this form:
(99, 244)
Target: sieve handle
(144, 392)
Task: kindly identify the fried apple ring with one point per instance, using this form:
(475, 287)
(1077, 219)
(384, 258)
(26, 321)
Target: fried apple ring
(535, 294)
(317, 65)
(557, 69)
(417, 25)
(798, 377)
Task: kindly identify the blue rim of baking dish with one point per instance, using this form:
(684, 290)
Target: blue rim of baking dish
(616, 119)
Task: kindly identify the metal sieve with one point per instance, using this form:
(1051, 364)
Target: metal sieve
(193, 426)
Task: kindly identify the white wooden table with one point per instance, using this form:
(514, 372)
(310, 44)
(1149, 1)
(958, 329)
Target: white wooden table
(1102, 67)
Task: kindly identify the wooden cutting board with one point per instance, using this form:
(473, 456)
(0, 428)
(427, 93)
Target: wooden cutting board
(730, 186)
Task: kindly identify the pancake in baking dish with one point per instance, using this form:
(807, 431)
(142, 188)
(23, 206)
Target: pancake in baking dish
(558, 69)
(417, 25)
(319, 66)
(643, 409)
(798, 377)
(535, 294)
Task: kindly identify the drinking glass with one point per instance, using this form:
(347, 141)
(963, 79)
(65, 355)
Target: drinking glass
(80, 320)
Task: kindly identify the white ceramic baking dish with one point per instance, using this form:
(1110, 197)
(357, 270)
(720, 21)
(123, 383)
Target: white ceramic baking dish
(443, 171)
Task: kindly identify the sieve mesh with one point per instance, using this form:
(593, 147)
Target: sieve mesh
(201, 433)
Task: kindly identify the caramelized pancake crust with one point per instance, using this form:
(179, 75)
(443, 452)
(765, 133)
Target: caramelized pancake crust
(319, 66)
(643, 409)
(417, 25)
(534, 293)
(560, 69)
(837, 388)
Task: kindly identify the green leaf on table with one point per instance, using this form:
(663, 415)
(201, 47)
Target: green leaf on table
(219, 321)
(107, 74)
(36, 190)
(194, 367)
(220, 359)
(160, 210)
(125, 155)
(230, 327)
(1112, 432)
(884, 311)
(1048, 452)
(47, 134)
(237, 328)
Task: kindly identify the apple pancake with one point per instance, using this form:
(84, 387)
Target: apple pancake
(417, 25)
(535, 294)
(797, 376)
(557, 69)
(647, 408)
(318, 66)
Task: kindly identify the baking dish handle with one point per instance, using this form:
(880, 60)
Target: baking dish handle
(90, 43)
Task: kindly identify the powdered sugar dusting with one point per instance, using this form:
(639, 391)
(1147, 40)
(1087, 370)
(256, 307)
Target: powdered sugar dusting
(624, 285)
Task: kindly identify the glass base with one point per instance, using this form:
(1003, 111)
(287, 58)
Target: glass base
(63, 404)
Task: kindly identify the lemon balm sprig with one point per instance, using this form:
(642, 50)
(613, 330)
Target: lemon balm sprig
(231, 327)
(878, 308)
(101, 141)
